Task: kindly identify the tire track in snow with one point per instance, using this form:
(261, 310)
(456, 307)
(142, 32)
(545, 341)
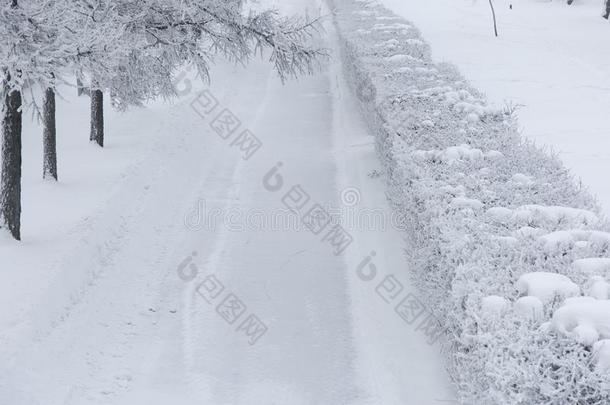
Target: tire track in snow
(395, 363)
(233, 172)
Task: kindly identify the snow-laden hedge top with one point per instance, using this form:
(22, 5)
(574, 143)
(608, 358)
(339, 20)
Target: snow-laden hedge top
(511, 252)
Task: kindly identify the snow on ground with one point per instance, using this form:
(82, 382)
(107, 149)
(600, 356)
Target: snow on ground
(70, 215)
(119, 293)
(379, 332)
(550, 59)
(484, 232)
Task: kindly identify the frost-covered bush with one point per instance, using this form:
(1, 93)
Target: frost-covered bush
(503, 241)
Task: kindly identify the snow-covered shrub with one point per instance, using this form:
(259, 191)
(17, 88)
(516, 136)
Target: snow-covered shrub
(503, 240)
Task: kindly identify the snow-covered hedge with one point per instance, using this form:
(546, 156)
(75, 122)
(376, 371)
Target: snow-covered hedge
(509, 250)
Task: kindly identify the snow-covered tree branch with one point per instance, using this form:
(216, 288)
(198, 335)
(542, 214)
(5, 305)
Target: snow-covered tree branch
(131, 48)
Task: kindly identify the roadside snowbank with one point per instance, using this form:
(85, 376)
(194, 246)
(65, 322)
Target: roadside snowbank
(493, 220)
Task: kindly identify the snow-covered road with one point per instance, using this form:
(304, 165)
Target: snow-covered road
(175, 308)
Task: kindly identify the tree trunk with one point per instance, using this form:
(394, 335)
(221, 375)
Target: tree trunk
(97, 117)
(49, 136)
(10, 177)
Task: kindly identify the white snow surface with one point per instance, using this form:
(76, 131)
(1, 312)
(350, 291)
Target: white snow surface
(529, 308)
(585, 319)
(535, 213)
(548, 61)
(453, 153)
(494, 305)
(546, 286)
(601, 352)
(593, 266)
(537, 219)
(93, 310)
(599, 288)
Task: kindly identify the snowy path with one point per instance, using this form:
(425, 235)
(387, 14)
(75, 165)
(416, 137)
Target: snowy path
(139, 334)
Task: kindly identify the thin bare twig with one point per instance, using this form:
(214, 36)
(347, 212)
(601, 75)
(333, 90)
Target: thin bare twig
(493, 13)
